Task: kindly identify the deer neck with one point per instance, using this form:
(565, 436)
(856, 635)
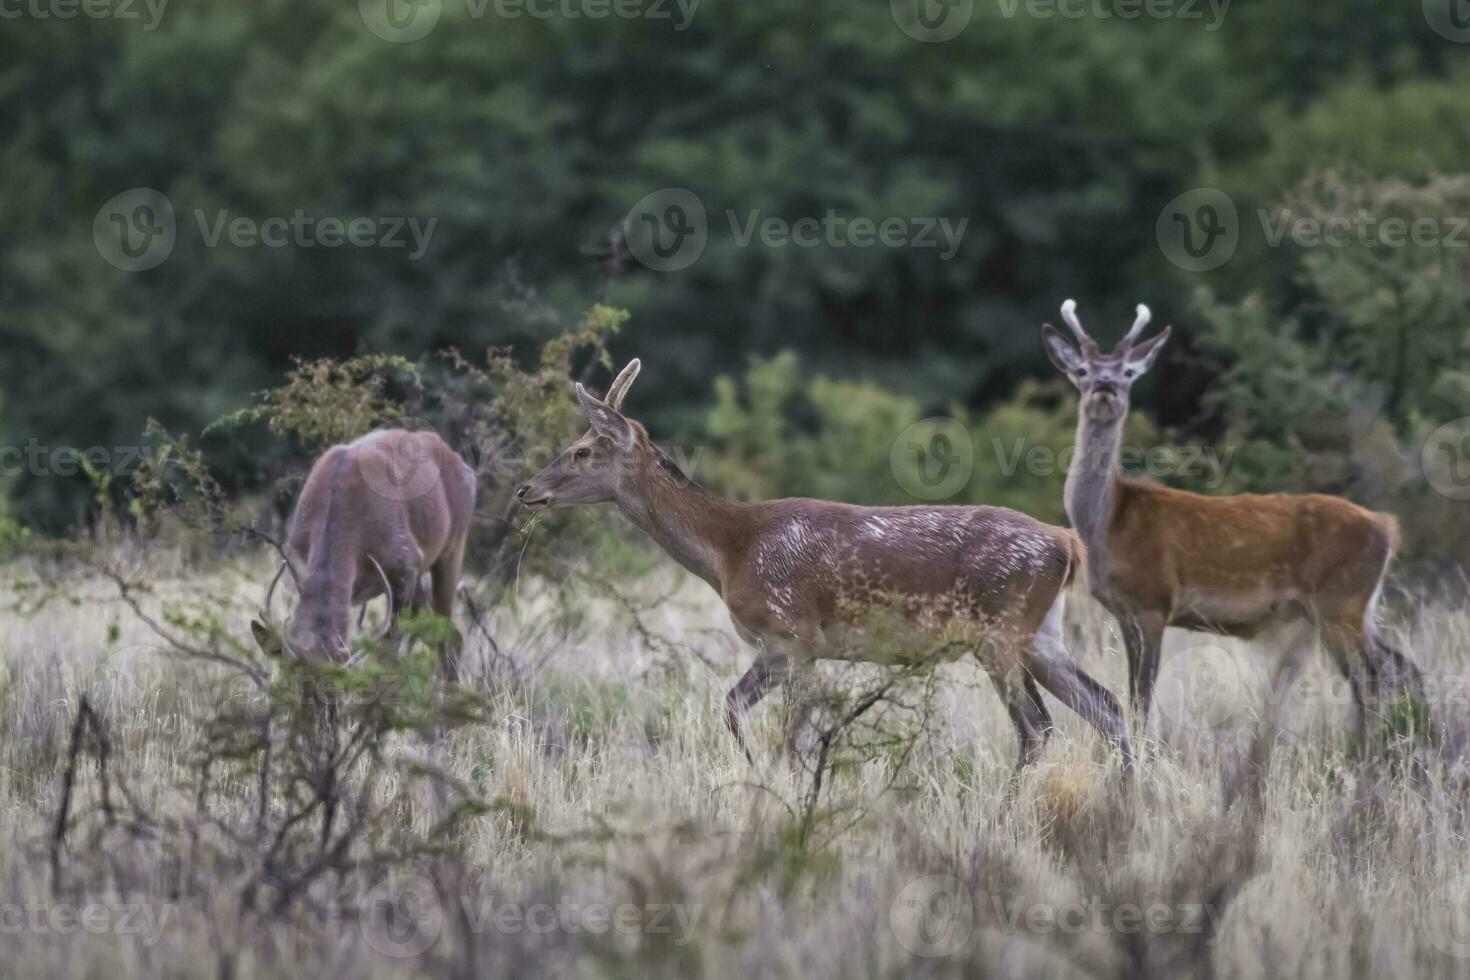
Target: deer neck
(693, 525)
(1092, 480)
(324, 613)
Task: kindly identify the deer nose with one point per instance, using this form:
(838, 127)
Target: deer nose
(521, 491)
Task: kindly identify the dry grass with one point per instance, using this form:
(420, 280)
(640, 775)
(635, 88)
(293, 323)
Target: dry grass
(629, 837)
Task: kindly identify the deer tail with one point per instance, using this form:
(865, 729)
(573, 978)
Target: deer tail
(1076, 561)
(1392, 533)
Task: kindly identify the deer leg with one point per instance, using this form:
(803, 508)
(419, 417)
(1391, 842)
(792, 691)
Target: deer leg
(1143, 635)
(1053, 667)
(1028, 713)
(1396, 673)
(799, 704)
(1347, 648)
(768, 670)
(444, 581)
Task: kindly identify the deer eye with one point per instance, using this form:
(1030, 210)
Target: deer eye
(1082, 372)
(582, 453)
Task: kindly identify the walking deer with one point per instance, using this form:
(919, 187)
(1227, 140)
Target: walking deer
(801, 578)
(373, 517)
(1236, 565)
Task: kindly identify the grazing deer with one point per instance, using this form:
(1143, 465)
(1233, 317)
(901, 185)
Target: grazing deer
(801, 578)
(374, 515)
(1235, 565)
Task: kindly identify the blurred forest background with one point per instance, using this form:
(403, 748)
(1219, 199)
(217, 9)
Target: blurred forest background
(1064, 142)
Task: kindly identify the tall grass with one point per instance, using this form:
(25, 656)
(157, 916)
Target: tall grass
(624, 833)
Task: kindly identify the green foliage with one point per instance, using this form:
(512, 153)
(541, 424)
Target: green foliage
(781, 435)
(1405, 723)
(777, 434)
(526, 139)
(1338, 390)
(176, 478)
(325, 401)
(13, 537)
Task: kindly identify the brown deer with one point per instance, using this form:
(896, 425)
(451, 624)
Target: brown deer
(801, 578)
(1235, 565)
(374, 516)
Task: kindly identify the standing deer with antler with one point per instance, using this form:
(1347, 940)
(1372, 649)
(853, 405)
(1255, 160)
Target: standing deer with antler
(374, 516)
(1237, 565)
(800, 577)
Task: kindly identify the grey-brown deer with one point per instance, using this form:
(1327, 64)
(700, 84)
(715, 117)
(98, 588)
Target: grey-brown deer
(801, 577)
(1235, 565)
(373, 517)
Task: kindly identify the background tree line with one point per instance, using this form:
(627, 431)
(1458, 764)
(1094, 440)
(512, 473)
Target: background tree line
(1061, 140)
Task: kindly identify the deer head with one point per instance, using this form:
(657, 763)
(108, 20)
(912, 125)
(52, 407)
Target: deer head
(269, 631)
(591, 470)
(310, 630)
(1103, 379)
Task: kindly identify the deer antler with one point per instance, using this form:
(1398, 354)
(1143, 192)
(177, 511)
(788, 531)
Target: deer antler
(270, 592)
(1069, 316)
(388, 586)
(1139, 323)
(619, 388)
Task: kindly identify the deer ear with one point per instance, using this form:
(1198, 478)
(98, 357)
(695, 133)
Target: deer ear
(1059, 349)
(605, 421)
(268, 639)
(1143, 355)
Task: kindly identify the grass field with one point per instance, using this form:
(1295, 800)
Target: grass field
(624, 834)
